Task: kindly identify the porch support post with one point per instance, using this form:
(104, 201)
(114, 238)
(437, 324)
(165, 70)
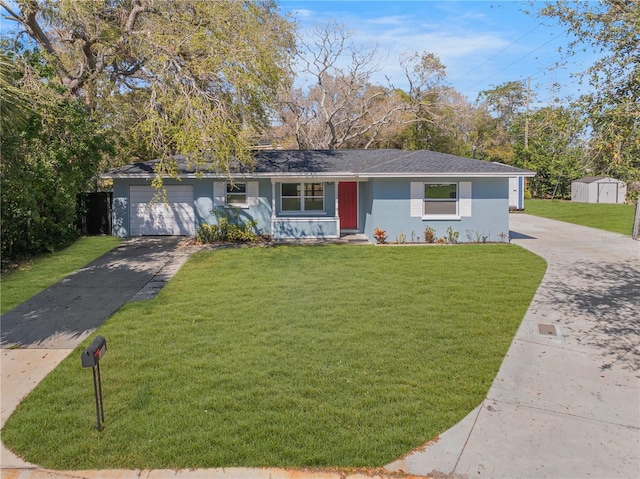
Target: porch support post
(273, 206)
(337, 205)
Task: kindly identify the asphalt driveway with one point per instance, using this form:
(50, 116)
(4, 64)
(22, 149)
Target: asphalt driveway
(41, 332)
(62, 316)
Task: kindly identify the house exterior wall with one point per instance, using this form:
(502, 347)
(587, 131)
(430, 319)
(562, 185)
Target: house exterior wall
(286, 225)
(365, 200)
(280, 225)
(388, 207)
(202, 194)
(120, 209)
(383, 203)
(259, 210)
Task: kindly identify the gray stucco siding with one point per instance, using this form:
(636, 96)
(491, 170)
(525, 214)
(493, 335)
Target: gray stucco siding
(388, 206)
(121, 210)
(298, 225)
(284, 225)
(382, 202)
(202, 200)
(301, 228)
(261, 211)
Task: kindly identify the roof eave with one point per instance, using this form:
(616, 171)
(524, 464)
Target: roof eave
(146, 176)
(451, 174)
(332, 175)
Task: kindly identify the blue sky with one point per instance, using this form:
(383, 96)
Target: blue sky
(482, 43)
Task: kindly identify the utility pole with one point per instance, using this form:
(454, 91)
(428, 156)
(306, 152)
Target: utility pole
(526, 116)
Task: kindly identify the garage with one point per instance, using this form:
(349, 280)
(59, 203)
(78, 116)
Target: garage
(153, 217)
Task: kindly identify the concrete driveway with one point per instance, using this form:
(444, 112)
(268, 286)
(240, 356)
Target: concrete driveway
(566, 401)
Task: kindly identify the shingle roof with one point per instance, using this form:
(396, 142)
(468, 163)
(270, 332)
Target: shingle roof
(592, 179)
(339, 163)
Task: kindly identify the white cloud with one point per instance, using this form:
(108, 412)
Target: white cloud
(479, 45)
(302, 13)
(459, 51)
(388, 20)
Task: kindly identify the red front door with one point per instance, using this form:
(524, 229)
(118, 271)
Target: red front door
(348, 205)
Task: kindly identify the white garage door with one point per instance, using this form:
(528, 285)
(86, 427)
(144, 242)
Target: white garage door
(173, 218)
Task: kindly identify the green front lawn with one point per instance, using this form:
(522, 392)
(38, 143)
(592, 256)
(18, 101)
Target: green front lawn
(36, 275)
(292, 356)
(610, 217)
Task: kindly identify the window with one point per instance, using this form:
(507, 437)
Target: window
(243, 194)
(440, 199)
(236, 194)
(302, 197)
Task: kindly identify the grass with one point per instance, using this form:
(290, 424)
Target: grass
(38, 274)
(617, 218)
(291, 356)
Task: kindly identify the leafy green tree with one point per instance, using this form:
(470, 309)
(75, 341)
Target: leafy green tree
(447, 128)
(498, 109)
(507, 101)
(612, 106)
(489, 137)
(140, 78)
(555, 151)
(15, 101)
(203, 74)
(47, 159)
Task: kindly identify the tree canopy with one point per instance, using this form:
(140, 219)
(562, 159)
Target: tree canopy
(612, 107)
(50, 155)
(89, 85)
(202, 74)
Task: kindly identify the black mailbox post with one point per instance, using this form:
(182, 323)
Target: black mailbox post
(91, 359)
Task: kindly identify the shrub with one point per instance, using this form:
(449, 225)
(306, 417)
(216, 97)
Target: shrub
(452, 236)
(380, 235)
(429, 234)
(229, 229)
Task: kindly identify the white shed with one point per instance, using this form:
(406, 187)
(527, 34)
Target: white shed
(516, 193)
(598, 189)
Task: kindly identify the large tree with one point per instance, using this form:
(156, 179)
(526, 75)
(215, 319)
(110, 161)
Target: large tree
(498, 109)
(612, 29)
(337, 103)
(506, 101)
(202, 74)
(446, 124)
(149, 77)
(555, 150)
(50, 155)
(14, 106)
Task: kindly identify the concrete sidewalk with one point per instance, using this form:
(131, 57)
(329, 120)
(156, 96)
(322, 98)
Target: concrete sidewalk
(566, 401)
